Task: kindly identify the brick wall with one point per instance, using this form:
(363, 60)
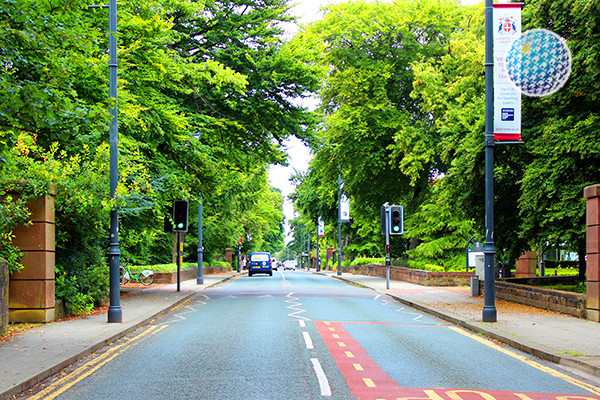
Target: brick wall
(187, 274)
(420, 277)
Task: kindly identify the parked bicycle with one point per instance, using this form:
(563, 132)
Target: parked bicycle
(145, 276)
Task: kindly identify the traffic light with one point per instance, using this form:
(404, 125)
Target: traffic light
(180, 216)
(396, 220)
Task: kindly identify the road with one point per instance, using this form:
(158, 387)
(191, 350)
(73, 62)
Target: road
(297, 335)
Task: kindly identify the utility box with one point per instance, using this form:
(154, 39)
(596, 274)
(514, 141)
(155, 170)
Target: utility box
(474, 285)
(480, 266)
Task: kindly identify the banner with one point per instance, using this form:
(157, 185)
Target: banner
(344, 209)
(321, 228)
(507, 98)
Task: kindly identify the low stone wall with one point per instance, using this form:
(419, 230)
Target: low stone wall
(187, 274)
(553, 300)
(545, 280)
(418, 276)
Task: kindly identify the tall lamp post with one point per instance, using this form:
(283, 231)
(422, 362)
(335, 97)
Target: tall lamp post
(200, 278)
(489, 308)
(339, 269)
(115, 313)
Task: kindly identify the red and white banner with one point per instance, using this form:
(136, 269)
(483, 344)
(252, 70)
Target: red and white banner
(507, 98)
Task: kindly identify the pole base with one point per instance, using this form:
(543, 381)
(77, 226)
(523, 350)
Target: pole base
(489, 314)
(200, 281)
(115, 314)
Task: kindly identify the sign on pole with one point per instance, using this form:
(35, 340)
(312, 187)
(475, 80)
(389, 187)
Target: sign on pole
(344, 208)
(321, 227)
(507, 98)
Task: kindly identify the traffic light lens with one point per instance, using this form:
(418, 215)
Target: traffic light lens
(180, 225)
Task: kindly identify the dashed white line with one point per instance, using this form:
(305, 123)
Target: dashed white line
(302, 323)
(308, 341)
(323, 382)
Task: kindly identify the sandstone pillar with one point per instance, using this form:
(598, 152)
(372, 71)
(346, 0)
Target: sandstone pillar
(31, 290)
(228, 256)
(592, 196)
(526, 265)
(329, 255)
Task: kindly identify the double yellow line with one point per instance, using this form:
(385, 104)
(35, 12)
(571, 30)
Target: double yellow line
(65, 383)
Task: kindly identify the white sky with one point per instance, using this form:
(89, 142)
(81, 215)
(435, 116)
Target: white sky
(299, 155)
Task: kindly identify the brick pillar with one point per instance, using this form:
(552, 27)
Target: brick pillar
(31, 290)
(228, 256)
(526, 265)
(592, 196)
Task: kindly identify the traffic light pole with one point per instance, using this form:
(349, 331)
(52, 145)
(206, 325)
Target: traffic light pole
(178, 261)
(318, 256)
(388, 256)
(239, 257)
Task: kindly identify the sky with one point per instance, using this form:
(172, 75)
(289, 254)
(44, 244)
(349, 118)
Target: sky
(298, 154)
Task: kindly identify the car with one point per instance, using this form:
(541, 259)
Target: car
(274, 264)
(289, 265)
(259, 262)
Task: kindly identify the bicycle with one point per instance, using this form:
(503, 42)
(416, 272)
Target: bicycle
(145, 277)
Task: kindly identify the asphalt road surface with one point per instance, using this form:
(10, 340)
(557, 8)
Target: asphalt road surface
(297, 335)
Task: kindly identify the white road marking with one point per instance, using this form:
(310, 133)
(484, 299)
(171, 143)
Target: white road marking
(308, 340)
(302, 323)
(376, 297)
(294, 303)
(323, 382)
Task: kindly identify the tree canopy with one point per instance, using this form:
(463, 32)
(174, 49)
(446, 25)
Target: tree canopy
(207, 92)
(404, 106)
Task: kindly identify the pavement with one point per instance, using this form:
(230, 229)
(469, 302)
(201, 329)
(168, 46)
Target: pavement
(38, 353)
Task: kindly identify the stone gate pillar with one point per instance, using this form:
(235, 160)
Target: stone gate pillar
(329, 255)
(31, 290)
(229, 256)
(526, 265)
(592, 196)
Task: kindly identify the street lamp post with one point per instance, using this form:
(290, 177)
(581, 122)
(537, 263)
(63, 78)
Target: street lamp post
(308, 249)
(115, 313)
(200, 278)
(489, 308)
(339, 269)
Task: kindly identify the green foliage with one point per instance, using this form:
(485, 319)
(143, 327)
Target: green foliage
(207, 93)
(13, 211)
(404, 110)
(367, 261)
(69, 291)
(424, 266)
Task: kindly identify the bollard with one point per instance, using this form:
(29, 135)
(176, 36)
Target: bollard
(474, 285)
